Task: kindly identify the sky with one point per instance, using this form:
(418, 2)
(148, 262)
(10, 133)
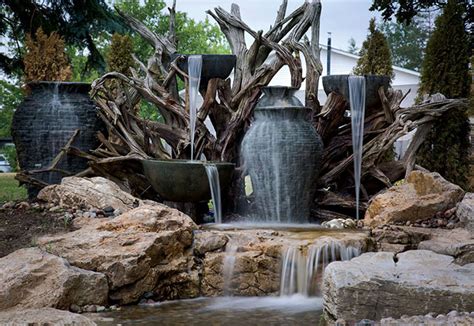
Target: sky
(343, 18)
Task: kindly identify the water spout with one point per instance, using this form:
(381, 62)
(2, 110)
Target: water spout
(194, 72)
(213, 177)
(357, 102)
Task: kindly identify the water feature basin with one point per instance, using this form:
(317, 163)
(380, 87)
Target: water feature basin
(184, 180)
(340, 84)
(213, 66)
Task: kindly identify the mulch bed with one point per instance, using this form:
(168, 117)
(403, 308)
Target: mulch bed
(20, 227)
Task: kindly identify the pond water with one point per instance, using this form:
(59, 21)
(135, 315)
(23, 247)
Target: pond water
(228, 311)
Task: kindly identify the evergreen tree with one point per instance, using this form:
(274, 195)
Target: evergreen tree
(119, 57)
(407, 42)
(375, 57)
(445, 70)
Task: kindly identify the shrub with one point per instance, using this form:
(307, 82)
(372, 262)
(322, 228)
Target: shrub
(445, 70)
(119, 56)
(46, 58)
(375, 57)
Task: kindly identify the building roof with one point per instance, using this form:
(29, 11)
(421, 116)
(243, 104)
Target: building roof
(356, 57)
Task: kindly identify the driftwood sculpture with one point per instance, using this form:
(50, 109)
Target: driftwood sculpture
(230, 105)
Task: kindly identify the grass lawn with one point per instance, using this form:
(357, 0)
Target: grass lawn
(9, 189)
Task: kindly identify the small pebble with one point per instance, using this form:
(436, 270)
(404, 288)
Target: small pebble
(450, 225)
(89, 308)
(100, 308)
(117, 212)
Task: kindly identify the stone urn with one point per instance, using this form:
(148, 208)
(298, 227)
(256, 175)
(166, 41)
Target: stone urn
(281, 152)
(44, 123)
(340, 84)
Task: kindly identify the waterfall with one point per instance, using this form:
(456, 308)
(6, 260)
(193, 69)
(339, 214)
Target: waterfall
(228, 267)
(302, 272)
(194, 72)
(213, 177)
(357, 102)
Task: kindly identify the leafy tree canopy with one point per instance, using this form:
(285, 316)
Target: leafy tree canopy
(78, 21)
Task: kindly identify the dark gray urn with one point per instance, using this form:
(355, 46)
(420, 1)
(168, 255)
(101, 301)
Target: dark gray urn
(282, 152)
(213, 66)
(184, 180)
(340, 84)
(45, 122)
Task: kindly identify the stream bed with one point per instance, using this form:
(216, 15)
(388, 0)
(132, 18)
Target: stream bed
(249, 311)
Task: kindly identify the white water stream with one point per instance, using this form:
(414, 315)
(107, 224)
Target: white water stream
(213, 177)
(194, 72)
(357, 102)
(302, 272)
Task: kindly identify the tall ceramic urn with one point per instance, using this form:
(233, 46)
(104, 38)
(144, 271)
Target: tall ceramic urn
(281, 152)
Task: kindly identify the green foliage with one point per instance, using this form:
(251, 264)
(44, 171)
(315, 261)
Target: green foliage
(10, 189)
(407, 42)
(375, 57)
(192, 37)
(405, 10)
(119, 55)
(445, 70)
(10, 97)
(446, 150)
(10, 154)
(79, 22)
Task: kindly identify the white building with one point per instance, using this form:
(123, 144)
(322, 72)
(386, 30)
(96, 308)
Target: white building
(342, 63)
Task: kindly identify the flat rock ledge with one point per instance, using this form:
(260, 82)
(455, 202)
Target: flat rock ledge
(372, 286)
(45, 316)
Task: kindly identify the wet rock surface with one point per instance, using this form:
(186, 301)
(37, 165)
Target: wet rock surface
(44, 316)
(381, 285)
(33, 278)
(421, 197)
(256, 257)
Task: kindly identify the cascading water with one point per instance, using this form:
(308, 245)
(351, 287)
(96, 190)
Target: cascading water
(301, 272)
(194, 72)
(357, 103)
(213, 176)
(228, 267)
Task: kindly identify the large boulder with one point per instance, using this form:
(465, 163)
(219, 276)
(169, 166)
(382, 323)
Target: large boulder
(33, 278)
(89, 193)
(465, 211)
(420, 197)
(377, 285)
(45, 316)
(139, 251)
